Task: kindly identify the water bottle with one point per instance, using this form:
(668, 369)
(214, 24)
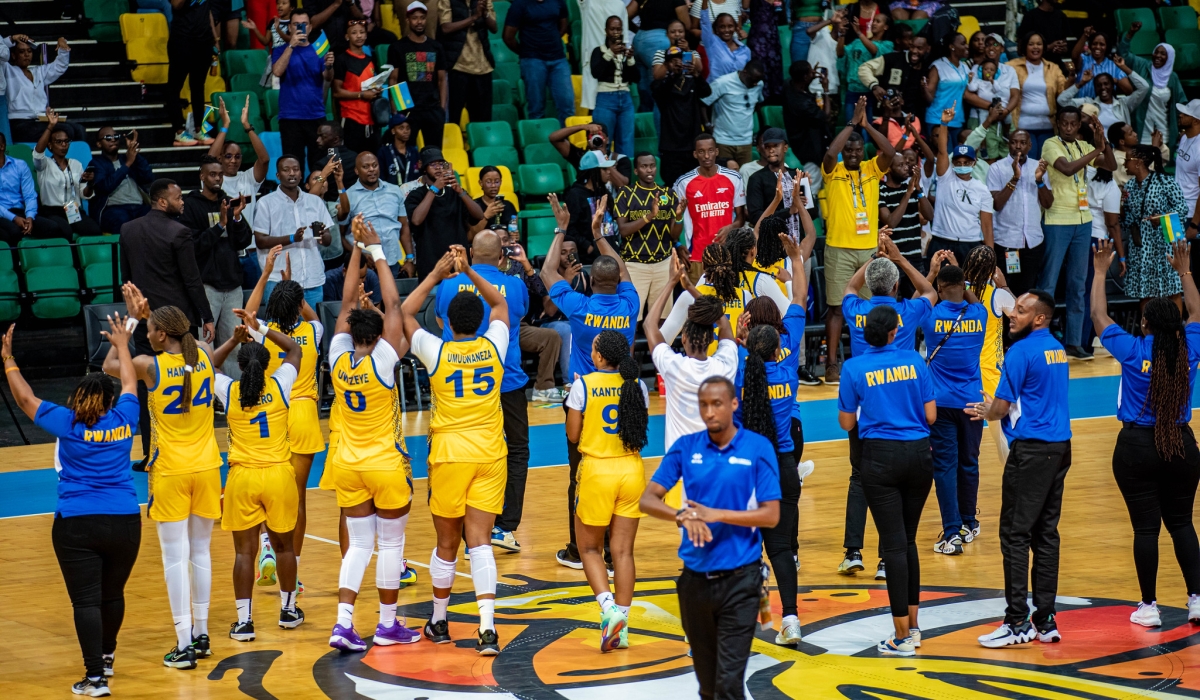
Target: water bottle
(514, 231)
(823, 355)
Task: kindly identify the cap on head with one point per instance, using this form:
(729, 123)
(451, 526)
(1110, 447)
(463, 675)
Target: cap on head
(397, 119)
(431, 155)
(416, 6)
(774, 135)
(595, 159)
(964, 150)
(1091, 109)
(1192, 109)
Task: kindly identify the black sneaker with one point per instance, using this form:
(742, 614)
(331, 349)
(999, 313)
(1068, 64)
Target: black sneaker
(1076, 352)
(488, 644)
(291, 619)
(180, 659)
(242, 631)
(807, 378)
(201, 645)
(108, 665)
(92, 688)
(438, 632)
(881, 572)
(568, 559)
(1047, 631)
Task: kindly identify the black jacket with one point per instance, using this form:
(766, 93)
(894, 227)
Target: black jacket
(216, 248)
(605, 69)
(678, 99)
(158, 256)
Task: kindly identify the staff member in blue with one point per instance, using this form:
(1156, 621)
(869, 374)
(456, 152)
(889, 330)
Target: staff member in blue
(97, 530)
(1156, 463)
(954, 335)
(888, 395)
(732, 482)
(613, 305)
(1032, 401)
(486, 256)
(882, 278)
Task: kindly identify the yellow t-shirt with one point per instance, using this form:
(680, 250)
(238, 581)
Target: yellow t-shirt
(1068, 189)
(305, 336)
(182, 443)
(598, 399)
(466, 424)
(258, 436)
(372, 436)
(853, 200)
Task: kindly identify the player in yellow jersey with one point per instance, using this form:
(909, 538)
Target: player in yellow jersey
(184, 465)
(607, 416)
(289, 313)
(983, 273)
(260, 488)
(373, 479)
(468, 464)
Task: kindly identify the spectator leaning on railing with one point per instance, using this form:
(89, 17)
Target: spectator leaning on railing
(117, 189)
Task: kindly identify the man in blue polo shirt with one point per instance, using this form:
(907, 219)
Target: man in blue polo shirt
(1032, 401)
(613, 305)
(301, 92)
(486, 256)
(882, 277)
(954, 335)
(731, 478)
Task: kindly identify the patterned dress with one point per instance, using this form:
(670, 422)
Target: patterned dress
(1150, 273)
(763, 41)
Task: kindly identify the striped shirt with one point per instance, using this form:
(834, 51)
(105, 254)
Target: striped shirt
(907, 234)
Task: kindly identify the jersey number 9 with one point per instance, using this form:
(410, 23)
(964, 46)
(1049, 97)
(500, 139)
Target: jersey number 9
(483, 380)
(610, 418)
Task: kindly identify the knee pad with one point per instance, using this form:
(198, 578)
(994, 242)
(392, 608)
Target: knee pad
(441, 572)
(390, 565)
(483, 569)
(361, 532)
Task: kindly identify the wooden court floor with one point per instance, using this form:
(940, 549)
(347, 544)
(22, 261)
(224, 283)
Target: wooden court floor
(547, 617)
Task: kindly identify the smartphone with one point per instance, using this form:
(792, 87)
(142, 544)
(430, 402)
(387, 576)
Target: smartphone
(508, 250)
(687, 57)
(300, 27)
(995, 101)
(824, 71)
(1069, 65)
(806, 189)
(499, 197)
(317, 228)
(332, 153)
(572, 259)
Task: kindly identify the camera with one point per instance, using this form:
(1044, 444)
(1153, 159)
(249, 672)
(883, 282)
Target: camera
(597, 141)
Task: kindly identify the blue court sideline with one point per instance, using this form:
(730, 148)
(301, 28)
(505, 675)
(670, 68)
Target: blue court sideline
(30, 492)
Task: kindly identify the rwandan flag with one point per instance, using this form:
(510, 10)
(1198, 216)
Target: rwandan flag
(400, 97)
(321, 45)
(1172, 229)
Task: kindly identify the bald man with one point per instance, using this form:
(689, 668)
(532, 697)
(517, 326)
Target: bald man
(382, 205)
(487, 256)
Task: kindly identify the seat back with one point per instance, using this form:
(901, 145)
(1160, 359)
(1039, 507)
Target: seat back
(496, 155)
(47, 252)
(1126, 16)
(539, 234)
(540, 179)
(55, 291)
(489, 134)
(245, 82)
(235, 103)
(96, 249)
(251, 62)
(142, 25)
(95, 319)
(507, 186)
(502, 91)
(531, 131)
(149, 55)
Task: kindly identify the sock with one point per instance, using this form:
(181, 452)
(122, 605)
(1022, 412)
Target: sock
(93, 678)
(199, 539)
(605, 599)
(199, 624)
(183, 631)
(288, 600)
(439, 609)
(266, 541)
(173, 540)
(387, 614)
(244, 609)
(487, 613)
(390, 565)
(361, 532)
(624, 610)
(345, 616)
(441, 575)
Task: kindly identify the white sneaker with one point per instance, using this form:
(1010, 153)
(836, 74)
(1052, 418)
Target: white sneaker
(551, 395)
(1146, 615)
(914, 637)
(968, 535)
(805, 468)
(896, 647)
(1005, 635)
(789, 631)
(1194, 609)
(953, 545)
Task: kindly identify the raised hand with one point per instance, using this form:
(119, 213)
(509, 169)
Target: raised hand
(269, 265)
(223, 112)
(137, 304)
(860, 112)
(1085, 77)
(562, 217)
(598, 217)
(1041, 170)
(287, 266)
(949, 112)
(1180, 257)
(118, 333)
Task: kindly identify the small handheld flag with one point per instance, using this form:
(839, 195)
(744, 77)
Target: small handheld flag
(399, 96)
(1172, 229)
(321, 45)
(206, 124)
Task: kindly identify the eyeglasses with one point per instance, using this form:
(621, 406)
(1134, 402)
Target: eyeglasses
(111, 137)
(61, 142)
(359, 22)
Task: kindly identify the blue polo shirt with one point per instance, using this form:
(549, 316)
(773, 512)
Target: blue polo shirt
(888, 388)
(301, 89)
(94, 476)
(955, 367)
(517, 296)
(782, 380)
(537, 27)
(913, 313)
(1034, 380)
(739, 477)
(1135, 355)
(591, 314)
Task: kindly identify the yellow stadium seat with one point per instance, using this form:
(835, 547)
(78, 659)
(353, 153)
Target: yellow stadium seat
(452, 137)
(506, 185)
(457, 158)
(144, 25)
(580, 138)
(968, 25)
(577, 84)
(150, 53)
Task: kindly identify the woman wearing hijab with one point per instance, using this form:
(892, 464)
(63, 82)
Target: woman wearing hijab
(1155, 113)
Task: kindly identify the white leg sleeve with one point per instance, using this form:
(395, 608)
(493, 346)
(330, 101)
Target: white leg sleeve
(483, 569)
(199, 542)
(391, 552)
(361, 532)
(441, 573)
(173, 539)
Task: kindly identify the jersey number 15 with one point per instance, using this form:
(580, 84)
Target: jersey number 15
(483, 380)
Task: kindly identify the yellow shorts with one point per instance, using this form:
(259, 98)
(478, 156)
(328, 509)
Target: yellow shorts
(326, 483)
(609, 486)
(254, 495)
(174, 497)
(304, 427)
(389, 489)
(455, 485)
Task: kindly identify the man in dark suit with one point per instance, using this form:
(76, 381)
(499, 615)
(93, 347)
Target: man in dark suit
(157, 255)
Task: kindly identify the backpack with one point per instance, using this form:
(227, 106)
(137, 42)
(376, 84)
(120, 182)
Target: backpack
(943, 23)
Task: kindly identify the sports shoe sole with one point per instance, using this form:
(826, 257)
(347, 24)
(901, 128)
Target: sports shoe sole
(291, 625)
(243, 637)
(781, 641)
(852, 569)
(183, 665)
(1049, 637)
(1008, 641)
(941, 548)
(894, 652)
(266, 573)
(577, 565)
(385, 642)
(499, 544)
(612, 639)
(487, 651)
(343, 644)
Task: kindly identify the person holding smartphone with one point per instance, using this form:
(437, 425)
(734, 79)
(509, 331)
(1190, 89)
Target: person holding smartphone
(440, 212)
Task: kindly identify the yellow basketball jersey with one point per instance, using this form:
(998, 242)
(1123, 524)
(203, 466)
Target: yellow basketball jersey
(773, 271)
(335, 431)
(733, 310)
(992, 354)
(182, 443)
(258, 436)
(602, 394)
(466, 423)
(305, 336)
(372, 436)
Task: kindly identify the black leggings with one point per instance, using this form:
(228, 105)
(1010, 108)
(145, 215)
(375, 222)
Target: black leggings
(96, 554)
(896, 478)
(779, 540)
(1159, 492)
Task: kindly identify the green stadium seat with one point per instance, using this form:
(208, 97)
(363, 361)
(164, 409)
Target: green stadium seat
(251, 62)
(46, 252)
(381, 54)
(95, 249)
(235, 102)
(98, 277)
(658, 171)
(501, 8)
(531, 131)
(502, 54)
(106, 17)
(507, 71)
(1127, 16)
(643, 124)
(496, 155)
(774, 116)
(539, 234)
(244, 82)
(1187, 48)
(916, 24)
(502, 92)
(1183, 17)
(1144, 43)
(10, 296)
(507, 114)
(484, 134)
(540, 179)
(645, 143)
(547, 153)
(55, 291)
(271, 108)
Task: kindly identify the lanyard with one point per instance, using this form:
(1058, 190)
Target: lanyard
(1067, 146)
(860, 193)
(68, 184)
(953, 327)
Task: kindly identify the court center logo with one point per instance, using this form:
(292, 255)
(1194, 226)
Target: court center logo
(550, 651)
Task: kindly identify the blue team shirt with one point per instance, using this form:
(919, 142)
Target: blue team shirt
(913, 313)
(301, 89)
(782, 380)
(887, 388)
(955, 368)
(94, 476)
(1034, 380)
(591, 314)
(515, 293)
(739, 477)
(1135, 355)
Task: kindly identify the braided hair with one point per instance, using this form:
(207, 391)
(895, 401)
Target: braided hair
(702, 316)
(719, 272)
(172, 321)
(283, 306)
(632, 417)
(979, 268)
(764, 312)
(252, 359)
(770, 249)
(1169, 385)
(91, 399)
(740, 242)
(757, 414)
(1151, 156)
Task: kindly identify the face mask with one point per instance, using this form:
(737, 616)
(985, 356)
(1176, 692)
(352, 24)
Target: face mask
(963, 169)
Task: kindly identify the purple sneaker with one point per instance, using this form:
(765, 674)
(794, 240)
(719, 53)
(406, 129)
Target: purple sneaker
(346, 639)
(396, 634)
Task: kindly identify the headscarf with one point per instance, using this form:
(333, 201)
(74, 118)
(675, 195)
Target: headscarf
(1160, 76)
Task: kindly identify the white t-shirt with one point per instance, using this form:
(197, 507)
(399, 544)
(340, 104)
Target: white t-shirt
(1187, 170)
(244, 184)
(1103, 197)
(1035, 110)
(383, 354)
(578, 396)
(822, 52)
(959, 203)
(427, 346)
(682, 375)
(285, 376)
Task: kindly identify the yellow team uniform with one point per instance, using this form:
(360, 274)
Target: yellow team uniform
(468, 463)
(611, 478)
(991, 357)
(335, 432)
(371, 461)
(734, 307)
(773, 271)
(185, 475)
(261, 485)
(304, 425)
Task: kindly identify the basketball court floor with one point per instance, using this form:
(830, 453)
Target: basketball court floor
(548, 620)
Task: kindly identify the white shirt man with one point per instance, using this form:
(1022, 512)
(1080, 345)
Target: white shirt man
(1019, 223)
(277, 215)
